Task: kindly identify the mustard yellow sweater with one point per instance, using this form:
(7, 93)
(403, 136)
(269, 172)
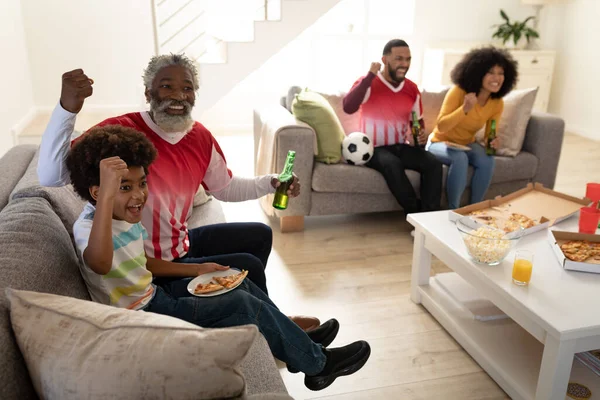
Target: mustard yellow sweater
(454, 125)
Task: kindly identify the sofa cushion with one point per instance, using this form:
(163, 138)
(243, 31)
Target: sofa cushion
(77, 349)
(65, 202)
(345, 178)
(208, 213)
(313, 109)
(291, 95)
(432, 104)
(517, 111)
(513, 123)
(523, 166)
(260, 370)
(37, 254)
(350, 122)
(13, 165)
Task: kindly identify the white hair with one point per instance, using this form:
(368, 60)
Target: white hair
(166, 60)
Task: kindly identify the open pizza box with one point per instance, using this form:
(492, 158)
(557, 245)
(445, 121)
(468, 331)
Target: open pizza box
(557, 238)
(545, 207)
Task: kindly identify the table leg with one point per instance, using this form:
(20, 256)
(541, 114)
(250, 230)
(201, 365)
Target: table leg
(556, 369)
(421, 266)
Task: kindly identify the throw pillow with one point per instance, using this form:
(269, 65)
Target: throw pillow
(432, 104)
(201, 197)
(313, 109)
(291, 95)
(76, 349)
(350, 122)
(513, 123)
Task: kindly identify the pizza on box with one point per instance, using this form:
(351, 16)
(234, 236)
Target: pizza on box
(514, 221)
(523, 220)
(581, 250)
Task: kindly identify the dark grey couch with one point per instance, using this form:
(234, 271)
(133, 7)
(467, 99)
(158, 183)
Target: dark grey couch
(37, 253)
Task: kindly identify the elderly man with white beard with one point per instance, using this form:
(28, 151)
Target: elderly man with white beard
(188, 156)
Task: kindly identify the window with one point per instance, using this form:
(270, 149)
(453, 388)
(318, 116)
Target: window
(351, 36)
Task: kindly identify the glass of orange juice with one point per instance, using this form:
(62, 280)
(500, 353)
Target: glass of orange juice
(521, 273)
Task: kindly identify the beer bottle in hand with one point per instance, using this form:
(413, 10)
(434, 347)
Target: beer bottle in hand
(416, 128)
(489, 150)
(286, 178)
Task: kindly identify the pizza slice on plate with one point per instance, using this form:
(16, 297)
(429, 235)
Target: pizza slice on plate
(230, 281)
(203, 288)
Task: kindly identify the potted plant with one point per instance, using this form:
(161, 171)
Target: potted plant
(513, 34)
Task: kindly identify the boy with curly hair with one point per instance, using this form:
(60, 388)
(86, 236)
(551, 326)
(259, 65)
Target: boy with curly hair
(108, 167)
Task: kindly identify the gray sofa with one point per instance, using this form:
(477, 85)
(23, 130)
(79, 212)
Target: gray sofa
(346, 189)
(37, 253)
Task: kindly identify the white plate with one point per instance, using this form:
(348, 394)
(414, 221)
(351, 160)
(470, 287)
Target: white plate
(205, 278)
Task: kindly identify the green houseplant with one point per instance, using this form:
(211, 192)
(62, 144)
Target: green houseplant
(514, 32)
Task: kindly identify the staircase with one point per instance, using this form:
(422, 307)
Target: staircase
(229, 39)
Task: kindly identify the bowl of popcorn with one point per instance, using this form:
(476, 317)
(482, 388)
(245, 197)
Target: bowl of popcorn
(488, 241)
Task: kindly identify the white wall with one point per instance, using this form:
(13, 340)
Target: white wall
(577, 77)
(16, 101)
(112, 40)
(436, 22)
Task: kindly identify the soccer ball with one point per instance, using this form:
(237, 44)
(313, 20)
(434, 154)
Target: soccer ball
(357, 148)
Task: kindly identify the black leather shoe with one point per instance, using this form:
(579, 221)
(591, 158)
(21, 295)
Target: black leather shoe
(340, 361)
(324, 335)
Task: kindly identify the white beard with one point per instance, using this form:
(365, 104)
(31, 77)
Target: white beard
(171, 123)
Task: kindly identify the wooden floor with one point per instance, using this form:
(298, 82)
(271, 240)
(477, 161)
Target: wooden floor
(357, 269)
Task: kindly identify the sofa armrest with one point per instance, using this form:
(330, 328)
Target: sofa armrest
(544, 139)
(276, 131)
(13, 165)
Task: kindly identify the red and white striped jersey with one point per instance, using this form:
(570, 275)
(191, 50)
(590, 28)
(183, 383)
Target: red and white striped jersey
(386, 111)
(182, 165)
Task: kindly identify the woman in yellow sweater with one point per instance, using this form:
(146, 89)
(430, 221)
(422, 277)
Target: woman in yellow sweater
(482, 79)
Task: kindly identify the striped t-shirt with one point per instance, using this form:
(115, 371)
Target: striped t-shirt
(128, 284)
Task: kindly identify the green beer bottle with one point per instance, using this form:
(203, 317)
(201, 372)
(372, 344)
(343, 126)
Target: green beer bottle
(489, 150)
(416, 128)
(286, 178)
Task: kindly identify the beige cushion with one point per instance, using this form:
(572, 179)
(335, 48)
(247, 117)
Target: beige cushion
(350, 122)
(201, 197)
(76, 349)
(513, 123)
(432, 104)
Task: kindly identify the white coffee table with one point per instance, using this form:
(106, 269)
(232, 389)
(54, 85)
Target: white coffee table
(529, 355)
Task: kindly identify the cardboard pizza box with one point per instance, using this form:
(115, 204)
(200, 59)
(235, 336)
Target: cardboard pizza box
(535, 201)
(556, 238)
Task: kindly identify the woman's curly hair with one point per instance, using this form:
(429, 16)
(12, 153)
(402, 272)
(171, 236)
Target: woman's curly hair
(470, 71)
(99, 143)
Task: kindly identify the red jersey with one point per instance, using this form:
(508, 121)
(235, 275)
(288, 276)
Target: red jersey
(386, 111)
(174, 178)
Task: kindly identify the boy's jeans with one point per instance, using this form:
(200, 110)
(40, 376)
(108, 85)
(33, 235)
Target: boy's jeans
(237, 245)
(246, 304)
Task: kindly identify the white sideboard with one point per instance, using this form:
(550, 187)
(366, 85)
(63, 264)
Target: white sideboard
(535, 70)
